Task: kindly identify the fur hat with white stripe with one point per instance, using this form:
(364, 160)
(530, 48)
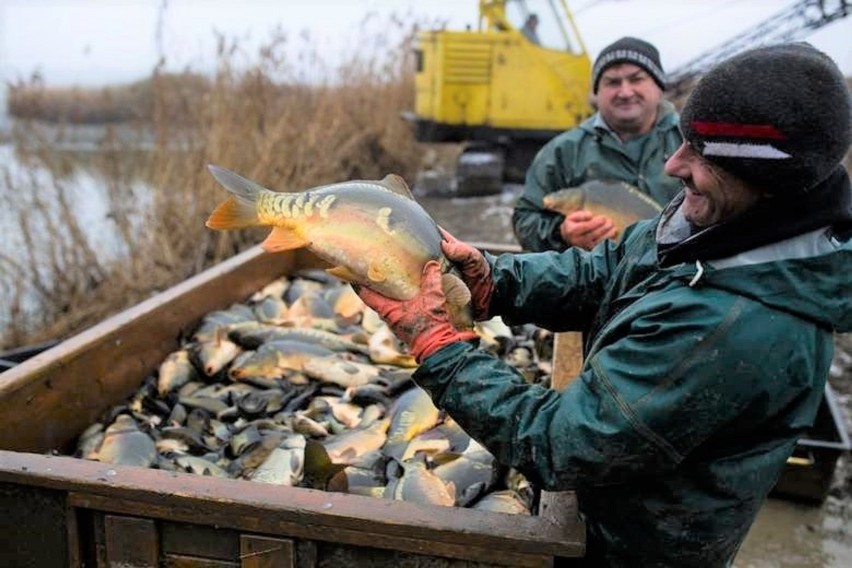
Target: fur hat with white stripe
(777, 117)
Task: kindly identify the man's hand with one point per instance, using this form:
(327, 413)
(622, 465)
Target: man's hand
(475, 273)
(584, 230)
(422, 322)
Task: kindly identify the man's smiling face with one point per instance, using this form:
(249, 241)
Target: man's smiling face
(712, 195)
(628, 98)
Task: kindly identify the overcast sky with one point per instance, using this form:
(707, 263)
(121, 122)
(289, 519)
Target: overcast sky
(93, 42)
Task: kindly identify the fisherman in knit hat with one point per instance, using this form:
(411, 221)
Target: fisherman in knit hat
(626, 140)
(709, 330)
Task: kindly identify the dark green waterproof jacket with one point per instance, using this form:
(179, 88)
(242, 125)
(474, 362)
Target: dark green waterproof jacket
(698, 378)
(592, 152)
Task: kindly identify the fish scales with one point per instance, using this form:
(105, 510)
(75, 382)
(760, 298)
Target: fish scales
(620, 201)
(371, 232)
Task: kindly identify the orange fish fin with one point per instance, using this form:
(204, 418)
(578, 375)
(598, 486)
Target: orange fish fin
(375, 273)
(344, 273)
(233, 213)
(397, 185)
(283, 239)
(566, 200)
(451, 489)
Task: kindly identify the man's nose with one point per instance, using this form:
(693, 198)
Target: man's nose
(675, 165)
(625, 88)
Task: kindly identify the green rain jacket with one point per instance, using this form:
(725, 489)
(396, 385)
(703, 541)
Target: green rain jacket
(588, 152)
(698, 378)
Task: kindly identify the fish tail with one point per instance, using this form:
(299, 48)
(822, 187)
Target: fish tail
(239, 211)
(233, 213)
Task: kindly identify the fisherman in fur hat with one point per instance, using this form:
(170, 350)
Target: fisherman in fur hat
(709, 330)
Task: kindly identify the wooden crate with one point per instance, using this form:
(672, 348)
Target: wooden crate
(61, 511)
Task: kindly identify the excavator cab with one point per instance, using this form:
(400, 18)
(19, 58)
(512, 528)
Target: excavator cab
(504, 89)
(550, 20)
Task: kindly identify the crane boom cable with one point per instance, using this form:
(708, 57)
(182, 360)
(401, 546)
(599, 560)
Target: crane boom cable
(790, 24)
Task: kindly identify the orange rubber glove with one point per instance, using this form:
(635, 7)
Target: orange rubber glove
(584, 230)
(475, 273)
(422, 322)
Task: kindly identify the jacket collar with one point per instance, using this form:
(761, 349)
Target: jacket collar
(771, 220)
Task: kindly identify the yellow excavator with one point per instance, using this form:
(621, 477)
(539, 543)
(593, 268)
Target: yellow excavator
(504, 89)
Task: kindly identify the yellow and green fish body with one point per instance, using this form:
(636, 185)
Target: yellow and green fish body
(618, 200)
(373, 233)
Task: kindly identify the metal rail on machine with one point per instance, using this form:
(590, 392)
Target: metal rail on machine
(795, 22)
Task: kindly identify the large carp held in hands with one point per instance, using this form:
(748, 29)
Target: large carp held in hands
(623, 203)
(373, 233)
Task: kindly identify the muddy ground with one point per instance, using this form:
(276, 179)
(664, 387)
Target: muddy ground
(786, 533)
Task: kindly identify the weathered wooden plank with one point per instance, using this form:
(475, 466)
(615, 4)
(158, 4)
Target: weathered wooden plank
(131, 541)
(72, 530)
(32, 526)
(554, 505)
(182, 561)
(486, 537)
(199, 540)
(567, 358)
(265, 552)
(370, 535)
(254, 507)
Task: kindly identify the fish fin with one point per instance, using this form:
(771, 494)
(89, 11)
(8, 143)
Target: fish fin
(455, 290)
(236, 184)
(397, 185)
(451, 489)
(445, 458)
(220, 334)
(395, 450)
(344, 273)
(643, 197)
(376, 274)
(233, 213)
(389, 491)
(348, 455)
(338, 483)
(283, 239)
(240, 210)
(318, 468)
(469, 494)
(566, 200)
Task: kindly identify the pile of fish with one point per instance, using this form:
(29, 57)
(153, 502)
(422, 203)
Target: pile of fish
(303, 385)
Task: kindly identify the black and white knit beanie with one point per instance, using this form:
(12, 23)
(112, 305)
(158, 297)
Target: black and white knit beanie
(629, 50)
(777, 117)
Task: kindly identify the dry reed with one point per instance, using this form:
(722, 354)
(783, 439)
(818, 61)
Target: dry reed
(260, 120)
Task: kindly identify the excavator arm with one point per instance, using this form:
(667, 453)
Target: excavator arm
(790, 24)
